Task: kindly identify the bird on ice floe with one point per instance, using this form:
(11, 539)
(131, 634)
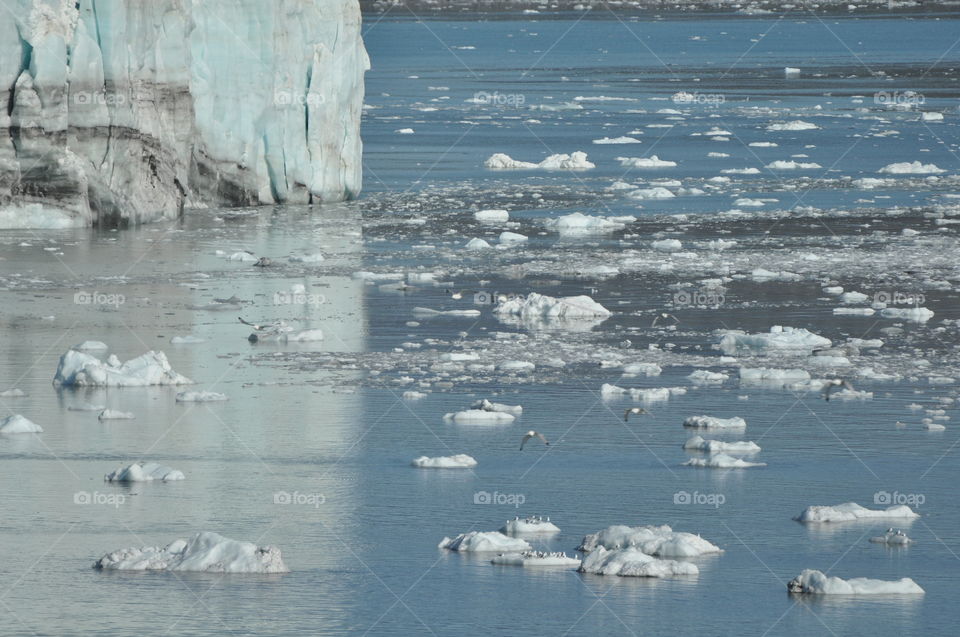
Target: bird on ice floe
(532, 434)
(268, 329)
(832, 386)
(634, 410)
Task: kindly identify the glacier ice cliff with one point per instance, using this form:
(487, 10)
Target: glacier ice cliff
(125, 111)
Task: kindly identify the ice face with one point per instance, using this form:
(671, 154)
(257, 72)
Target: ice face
(128, 111)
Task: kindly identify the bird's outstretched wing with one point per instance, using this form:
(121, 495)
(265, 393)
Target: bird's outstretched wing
(524, 441)
(541, 437)
(847, 385)
(253, 325)
(626, 415)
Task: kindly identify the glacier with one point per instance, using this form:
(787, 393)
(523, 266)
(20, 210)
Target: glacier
(122, 111)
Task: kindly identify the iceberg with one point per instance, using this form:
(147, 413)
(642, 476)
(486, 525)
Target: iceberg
(17, 424)
(850, 511)
(893, 538)
(722, 461)
(529, 526)
(578, 223)
(114, 414)
(144, 472)
(80, 369)
(205, 552)
(911, 168)
(536, 558)
(485, 541)
(779, 338)
(479, 417)
(818, 583)
(561, 161)
(709, 422)
(631, 562)
(652, 540)
(698, 443)
(459, 461)
(540, 307)
(127, 111)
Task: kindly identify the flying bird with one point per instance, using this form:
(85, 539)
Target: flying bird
(832, 386)
(634, 410)
(664, 316)
(532, 434)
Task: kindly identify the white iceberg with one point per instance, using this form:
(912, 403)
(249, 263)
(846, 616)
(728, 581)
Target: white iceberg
(115, 414)
(779, 337)
(652, 540)
(795, 125)
(491, 216)
(539, 307)
(459, 461)
(645, 162)
(578, 223)
(850, 511)
(698, 443)
(205, 552)
(487, 405)
(18, 424)
(200, 397)
(918, 314)
(560, 161)
(817, 583)
(710, 422)
(144, 472)
(893, 538)
(80, 369)
(484, 542)
(529, 526)
(911, 168)
(631, 562)
(536, 558)
(480, 417)
(91, 346)
(617, 140)
(722, 461)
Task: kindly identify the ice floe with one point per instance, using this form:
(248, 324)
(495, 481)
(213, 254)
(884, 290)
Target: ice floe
(631, 562)
(206, 552)
(710, 422)
(492, 216)
(779, 337)
(484, 542)
(458, 461)
(536, 558)
(661, 541)
(817, 583)
(529, 526)
(850, 511)
(487, 405)
(698, 443)
(144, 472)
(561, 161)
(893, 537)
(115, 414)
(200, 397)
(81, 369)
(479, 417)
(578, 223)
(722, 461)
(19, 424)
(794, 125)
(539, 307)
(911, 168)
(646, 162)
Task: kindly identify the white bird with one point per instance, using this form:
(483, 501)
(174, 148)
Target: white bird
(532, 434)
(832, 386)
(634, 410)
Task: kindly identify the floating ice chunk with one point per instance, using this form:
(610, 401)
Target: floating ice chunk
(911, 168)
(764, 375)
(460, 356)
(18, 424)
(80, 369)
(144, 472)
(306, 258)
(651, 193)
(645, 369)
(818, 583)
(579, 223)
(459, 461)
(512, 238)
(749, 203)
(477, 244)
(705, 376)
(91, 346)
(617, 140)
(561, 161)
(661, 541)
(645, 162)
(631, 562)
(762, 274)
(200, 397)
(795, 125)
(896, 538)
(779, 337)
(869, 183)
(516, 366)
(918, 314)
(932, 426)
(763, 144)
(611, 391)
(722, 461)
(709, 422)
(485, 541)
(928, 116)
(187, 340)
(480, 417)
(529, 526)
(427, 312)
(491, 216)
(781, 164)
(113, 414)
(850, 511)
(666, 245)
(413, 395)
(741, 171)
(541, 307)
(303, 336)
(854, 311)
(486, 405)
(791, 71)
(698, 443)
(13, 393)
(404, 131)
(242, 256)
(206, 552)
(536, 558)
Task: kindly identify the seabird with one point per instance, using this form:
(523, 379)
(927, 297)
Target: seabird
(532, 434)
(832, 386)
(634, 410)
(663, 316)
